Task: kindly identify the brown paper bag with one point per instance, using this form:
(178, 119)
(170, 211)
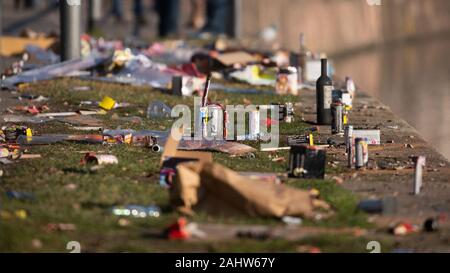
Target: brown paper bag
(220, 191)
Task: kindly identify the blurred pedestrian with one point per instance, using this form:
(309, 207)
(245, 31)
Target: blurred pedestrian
(218, 14)
(138, 11)
(168, 11)
(117, 10)
(28, 4)
(198, 14)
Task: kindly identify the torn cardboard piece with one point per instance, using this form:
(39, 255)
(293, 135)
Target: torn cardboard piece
(237, 57)
(10, 46)
(171, 157)
(218, 190)
(228, 147)
(171, 151)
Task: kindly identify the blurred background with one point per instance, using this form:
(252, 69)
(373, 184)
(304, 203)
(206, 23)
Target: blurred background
(396, 50)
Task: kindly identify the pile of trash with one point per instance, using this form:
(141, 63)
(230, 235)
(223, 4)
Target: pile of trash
(195, 181)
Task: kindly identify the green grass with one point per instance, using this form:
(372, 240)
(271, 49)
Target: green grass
(135, 181)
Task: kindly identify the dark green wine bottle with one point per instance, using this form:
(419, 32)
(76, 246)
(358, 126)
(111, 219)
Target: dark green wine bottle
(324, 89)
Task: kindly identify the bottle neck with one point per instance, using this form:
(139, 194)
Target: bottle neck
(324, 67)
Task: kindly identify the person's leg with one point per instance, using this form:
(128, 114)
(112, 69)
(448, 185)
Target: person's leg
(218, 16)
(117, 9)
(198, 16)
(138, 10)
(29, 4)
(17, 4)
(168, 11)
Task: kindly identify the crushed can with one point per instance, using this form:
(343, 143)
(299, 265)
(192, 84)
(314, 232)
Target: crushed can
(289, 112)
(348, 137)
(337, 126)
(361, 153)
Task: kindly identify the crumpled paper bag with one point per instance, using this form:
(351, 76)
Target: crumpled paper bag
(218, 190)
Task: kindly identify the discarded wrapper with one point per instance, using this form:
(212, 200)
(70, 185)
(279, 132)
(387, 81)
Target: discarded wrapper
(177, 230)
(92, 158)
(219, 190)
(404, 228)
(137, 211)
(107, 103)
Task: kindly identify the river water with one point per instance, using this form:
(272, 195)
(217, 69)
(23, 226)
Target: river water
(413, 79)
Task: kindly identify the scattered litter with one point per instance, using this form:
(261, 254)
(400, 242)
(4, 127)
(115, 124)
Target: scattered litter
(99, 159)
(403, 229)
(66, 68)
(123, 222)
(237, 57)
(107, 103)
(279, 159)
(30, 156)
(158, 110)
(171, 157)
(300, 139)
(60, 227)
(177, 230)
(60, 114)
(11, 133)
(87, 128)
(37, 244)
(52, 139)
(308, 249)
(81, 88)
(386, 206)
(24, 119)
(372, 136)
(228, 147)
(431, 225)
(307, 162)
(338, 180)
(274, 178)
(227, 192)
(17, 45)
(20, 195)
(419, 164)
(292, 221)
(137, 211)
(71, 187)
(275, 149)
(361, 153)
(194, 231)
(35, 98)
(19, 214)
(253, 234)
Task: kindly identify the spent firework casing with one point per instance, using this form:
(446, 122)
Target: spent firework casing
(337, 126)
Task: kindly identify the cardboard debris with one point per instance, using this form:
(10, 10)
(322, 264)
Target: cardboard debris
(171, 151)
(373, 136)
(228, 147)
(10, 46)
(220, 191)
(58, 138)
(238, 57)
